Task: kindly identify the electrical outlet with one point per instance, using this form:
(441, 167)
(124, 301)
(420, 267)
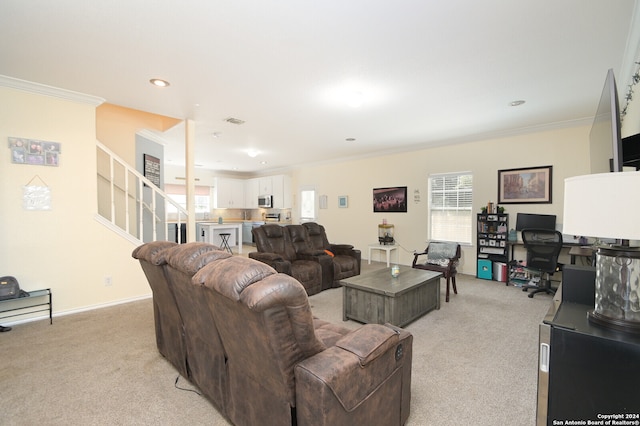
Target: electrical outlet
(108, 280)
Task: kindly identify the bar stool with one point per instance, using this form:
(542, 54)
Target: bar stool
(225, 242)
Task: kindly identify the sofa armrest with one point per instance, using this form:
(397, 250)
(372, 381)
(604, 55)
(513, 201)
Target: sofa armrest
(274, 260)
(340, 247)
(343, 249)
(310, 254)
(364, 379)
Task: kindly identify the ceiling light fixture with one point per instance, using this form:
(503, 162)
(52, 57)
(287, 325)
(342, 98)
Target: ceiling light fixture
(517, 103)
(252, 153)
(159, 82)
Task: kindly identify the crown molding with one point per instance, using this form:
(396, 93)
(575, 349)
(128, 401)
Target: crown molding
(43, 89)
(147, 134)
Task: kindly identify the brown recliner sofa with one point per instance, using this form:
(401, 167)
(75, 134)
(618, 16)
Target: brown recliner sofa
(281, 365)
(186, 334)
(289, 250)
(168, 322)
(345, 259)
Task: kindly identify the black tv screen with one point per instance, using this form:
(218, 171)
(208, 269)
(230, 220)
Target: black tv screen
(535, 221)
(392, 200)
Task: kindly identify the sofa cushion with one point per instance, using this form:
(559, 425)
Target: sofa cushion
(441, 250)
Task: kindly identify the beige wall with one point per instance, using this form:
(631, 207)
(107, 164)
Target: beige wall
(116, 127)
(565, 149)
(64, 249)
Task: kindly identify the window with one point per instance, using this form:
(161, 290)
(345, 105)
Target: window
(308, 204)
(178, 193)
(450, 207)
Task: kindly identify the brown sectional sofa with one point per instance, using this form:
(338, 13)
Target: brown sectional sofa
(304, 252)
(251, 345)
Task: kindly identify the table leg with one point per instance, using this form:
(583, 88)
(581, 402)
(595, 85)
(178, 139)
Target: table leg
(369, 255)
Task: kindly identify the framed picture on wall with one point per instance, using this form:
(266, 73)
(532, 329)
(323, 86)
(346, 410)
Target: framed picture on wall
(390, 200)
(343, 201)
(152, 169)
(525, 186)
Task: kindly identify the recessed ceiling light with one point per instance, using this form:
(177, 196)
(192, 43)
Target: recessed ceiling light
(263, 162)
(159, 82)
(216, 134)
(252, 153)
(517, 103)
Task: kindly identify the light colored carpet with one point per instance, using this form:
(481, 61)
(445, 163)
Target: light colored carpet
(474, 362)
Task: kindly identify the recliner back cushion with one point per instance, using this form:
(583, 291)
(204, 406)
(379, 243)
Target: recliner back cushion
(231, 276)
(317, 235)
(153, 252)
(271, 238)
(190, 257)
(299, 238)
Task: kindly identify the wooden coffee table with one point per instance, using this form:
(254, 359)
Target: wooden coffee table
(377, 297)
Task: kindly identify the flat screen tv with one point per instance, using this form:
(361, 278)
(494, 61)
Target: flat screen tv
(392, 200)
(535, 221)
(605, 143)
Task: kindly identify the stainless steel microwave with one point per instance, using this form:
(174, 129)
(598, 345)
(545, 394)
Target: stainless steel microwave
(265, 201)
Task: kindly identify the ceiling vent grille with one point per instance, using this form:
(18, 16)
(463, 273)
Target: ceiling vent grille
(234, 120)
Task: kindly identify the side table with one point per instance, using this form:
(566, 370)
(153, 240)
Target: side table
(387, 248)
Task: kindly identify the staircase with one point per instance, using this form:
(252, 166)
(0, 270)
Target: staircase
(132, 205)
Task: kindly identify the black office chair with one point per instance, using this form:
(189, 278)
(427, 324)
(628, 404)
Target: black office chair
(543, 248)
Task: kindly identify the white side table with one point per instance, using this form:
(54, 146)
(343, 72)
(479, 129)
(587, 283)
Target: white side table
(388, 248)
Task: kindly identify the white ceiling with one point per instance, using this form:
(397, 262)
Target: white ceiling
(430, 72)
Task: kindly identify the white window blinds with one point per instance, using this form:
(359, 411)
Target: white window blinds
(450, 207)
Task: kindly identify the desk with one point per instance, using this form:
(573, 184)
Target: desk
(381, 247)
(513, 244)
(581, 251)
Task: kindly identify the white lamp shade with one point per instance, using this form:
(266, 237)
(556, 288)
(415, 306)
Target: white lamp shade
(603, 205)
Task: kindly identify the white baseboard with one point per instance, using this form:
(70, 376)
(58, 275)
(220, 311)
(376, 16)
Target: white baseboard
(78, 310)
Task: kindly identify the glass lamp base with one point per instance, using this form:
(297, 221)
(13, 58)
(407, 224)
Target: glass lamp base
(614, 323)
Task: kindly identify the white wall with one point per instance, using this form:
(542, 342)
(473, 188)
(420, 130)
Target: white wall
(565, 149)
(64, 249)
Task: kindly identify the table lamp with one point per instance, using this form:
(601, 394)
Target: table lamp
(607, 205)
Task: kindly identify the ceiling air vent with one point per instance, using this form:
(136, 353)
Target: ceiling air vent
(234, 120)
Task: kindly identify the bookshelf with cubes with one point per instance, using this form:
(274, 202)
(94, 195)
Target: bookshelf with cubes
(492, 248)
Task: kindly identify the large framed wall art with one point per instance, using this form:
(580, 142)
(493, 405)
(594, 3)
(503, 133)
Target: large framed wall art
(528, 185)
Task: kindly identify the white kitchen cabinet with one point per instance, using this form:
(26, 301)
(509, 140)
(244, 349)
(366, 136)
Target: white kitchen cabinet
(251, 192)
(229, 194)
(281, 186)
(266, 185)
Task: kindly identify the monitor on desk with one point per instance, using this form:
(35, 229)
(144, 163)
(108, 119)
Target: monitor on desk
(537, 221)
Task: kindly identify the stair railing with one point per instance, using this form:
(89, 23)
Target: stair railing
(132, 204)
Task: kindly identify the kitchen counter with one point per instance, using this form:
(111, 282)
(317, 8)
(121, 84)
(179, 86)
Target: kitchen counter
(209, 232)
